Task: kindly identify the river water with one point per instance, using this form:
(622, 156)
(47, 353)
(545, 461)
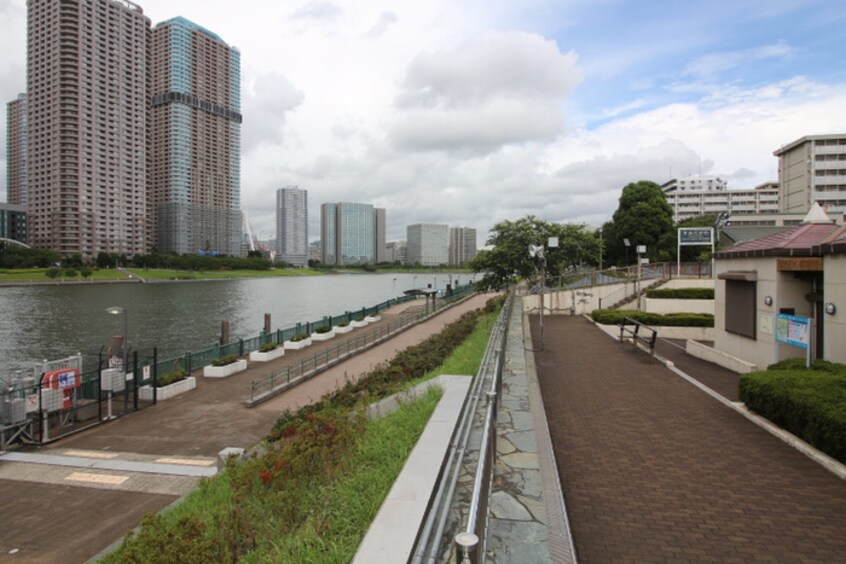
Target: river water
(52, 322)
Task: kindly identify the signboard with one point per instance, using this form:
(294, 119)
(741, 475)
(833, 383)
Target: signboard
(64, 379)
(793, 330)
(696, 235)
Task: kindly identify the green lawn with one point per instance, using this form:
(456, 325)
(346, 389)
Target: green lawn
(38, 275)
(171, 274)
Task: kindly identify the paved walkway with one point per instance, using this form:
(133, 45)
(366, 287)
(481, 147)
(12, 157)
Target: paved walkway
(655, 470)
(60, 508)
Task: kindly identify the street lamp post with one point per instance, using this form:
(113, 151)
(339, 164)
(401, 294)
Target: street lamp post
(394, 291)
(414, 282)
(118, 310)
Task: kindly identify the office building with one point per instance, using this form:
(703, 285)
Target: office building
(395, 252)
(195, 135)
(16, 151)
(696, 196)
(379, 227)
(428, 244)
(462, 245)
(348, 233)
(813, 169)
(13, 222)
(87, 98)
(292, 226)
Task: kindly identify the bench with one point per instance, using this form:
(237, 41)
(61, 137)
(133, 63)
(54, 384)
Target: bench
(636, 334)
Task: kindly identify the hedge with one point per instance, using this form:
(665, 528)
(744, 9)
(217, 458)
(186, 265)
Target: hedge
(681, 293)
(811, 404)
(615, 316)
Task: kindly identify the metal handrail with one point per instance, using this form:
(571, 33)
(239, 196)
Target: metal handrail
(431, 533)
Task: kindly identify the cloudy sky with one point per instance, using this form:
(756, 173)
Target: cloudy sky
(469, 112)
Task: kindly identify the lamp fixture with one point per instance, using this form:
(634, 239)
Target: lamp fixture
(830, 308)
(768, 300)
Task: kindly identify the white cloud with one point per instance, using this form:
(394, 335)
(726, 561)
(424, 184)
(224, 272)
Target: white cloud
(712, 64)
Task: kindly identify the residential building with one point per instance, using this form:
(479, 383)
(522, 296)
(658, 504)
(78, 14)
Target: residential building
(314, 251)
(87, 99)
(813, 169)
(348, 233)
(462, 245)
(696, 196)
(16, 139)
(395, 251)
(292, 226)
(428, 244)
(195, 134)
(379, 227)
(13, 222)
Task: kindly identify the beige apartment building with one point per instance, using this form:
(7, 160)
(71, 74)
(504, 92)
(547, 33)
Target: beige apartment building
(16, 139)
(87, 126)
(813, 169)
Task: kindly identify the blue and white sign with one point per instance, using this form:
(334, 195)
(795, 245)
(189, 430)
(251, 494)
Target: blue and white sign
(793, 330)
(696, 235)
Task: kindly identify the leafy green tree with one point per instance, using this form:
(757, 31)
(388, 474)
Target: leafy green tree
(53, 272)
(643, 217)
(508, 257)
(86, 272)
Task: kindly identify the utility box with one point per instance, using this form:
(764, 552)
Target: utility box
(52, 400)
(112, 380)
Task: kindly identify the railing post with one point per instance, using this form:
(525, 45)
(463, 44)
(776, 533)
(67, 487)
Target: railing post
(466, 548)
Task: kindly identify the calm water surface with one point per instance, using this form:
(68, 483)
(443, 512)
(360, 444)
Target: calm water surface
(51, 322)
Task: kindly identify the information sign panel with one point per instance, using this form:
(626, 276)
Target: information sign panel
(793, 330)
(696, 235)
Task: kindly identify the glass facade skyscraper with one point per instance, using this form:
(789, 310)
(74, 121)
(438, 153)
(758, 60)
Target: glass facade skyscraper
(350, 233)
(195, 172)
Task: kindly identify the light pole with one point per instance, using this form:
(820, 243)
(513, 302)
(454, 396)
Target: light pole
(394, 292)
(414, 282)
(118, 310)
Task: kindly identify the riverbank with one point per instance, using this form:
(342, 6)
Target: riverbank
(38, 276)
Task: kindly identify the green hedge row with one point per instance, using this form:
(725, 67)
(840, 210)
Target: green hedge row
(811, 404)
(681, 293)
(615, 316)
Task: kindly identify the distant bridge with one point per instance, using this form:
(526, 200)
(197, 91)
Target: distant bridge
(14, 242)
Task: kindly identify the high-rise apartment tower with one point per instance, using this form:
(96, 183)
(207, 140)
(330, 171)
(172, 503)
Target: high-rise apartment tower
(195, 140)
(16, 151)
(462, 245)
(813, 169)
(292, 226)
(87, 100)
(350, 233)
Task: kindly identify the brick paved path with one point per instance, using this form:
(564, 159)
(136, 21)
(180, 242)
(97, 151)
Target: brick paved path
(654, 470)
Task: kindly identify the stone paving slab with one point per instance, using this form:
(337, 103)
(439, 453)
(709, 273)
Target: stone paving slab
(655, 470)
(109, 464)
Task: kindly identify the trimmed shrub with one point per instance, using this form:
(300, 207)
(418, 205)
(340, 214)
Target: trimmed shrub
(681, 293)
(267, 347)
(298, 338)
(615, 317)
(324, 329)
(224, 360)
(811, 404)
(171, 377)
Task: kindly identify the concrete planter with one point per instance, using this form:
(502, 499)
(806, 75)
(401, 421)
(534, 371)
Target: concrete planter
(323, 336)
(362, 323)
(226, 370)
(345, 329)
(258, 356)
(297, 345)
(166, 392)
(373, 318)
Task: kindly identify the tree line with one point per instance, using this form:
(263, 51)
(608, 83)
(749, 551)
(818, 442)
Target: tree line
(643, 217)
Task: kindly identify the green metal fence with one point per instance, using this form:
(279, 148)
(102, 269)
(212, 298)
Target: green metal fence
(193, 360)
(291, 374)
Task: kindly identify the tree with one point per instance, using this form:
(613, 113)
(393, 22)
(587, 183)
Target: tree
(508, 256)
(643, 217)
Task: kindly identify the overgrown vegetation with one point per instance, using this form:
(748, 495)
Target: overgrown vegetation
(810, 403)
(681, 293)
(615, 316)
(313, 491)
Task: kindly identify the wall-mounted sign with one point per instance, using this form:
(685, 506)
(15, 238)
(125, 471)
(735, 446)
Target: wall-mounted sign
(793, 330)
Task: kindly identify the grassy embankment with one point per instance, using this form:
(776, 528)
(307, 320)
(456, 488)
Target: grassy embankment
(40, 275)
(172, 274)
(311, 496)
